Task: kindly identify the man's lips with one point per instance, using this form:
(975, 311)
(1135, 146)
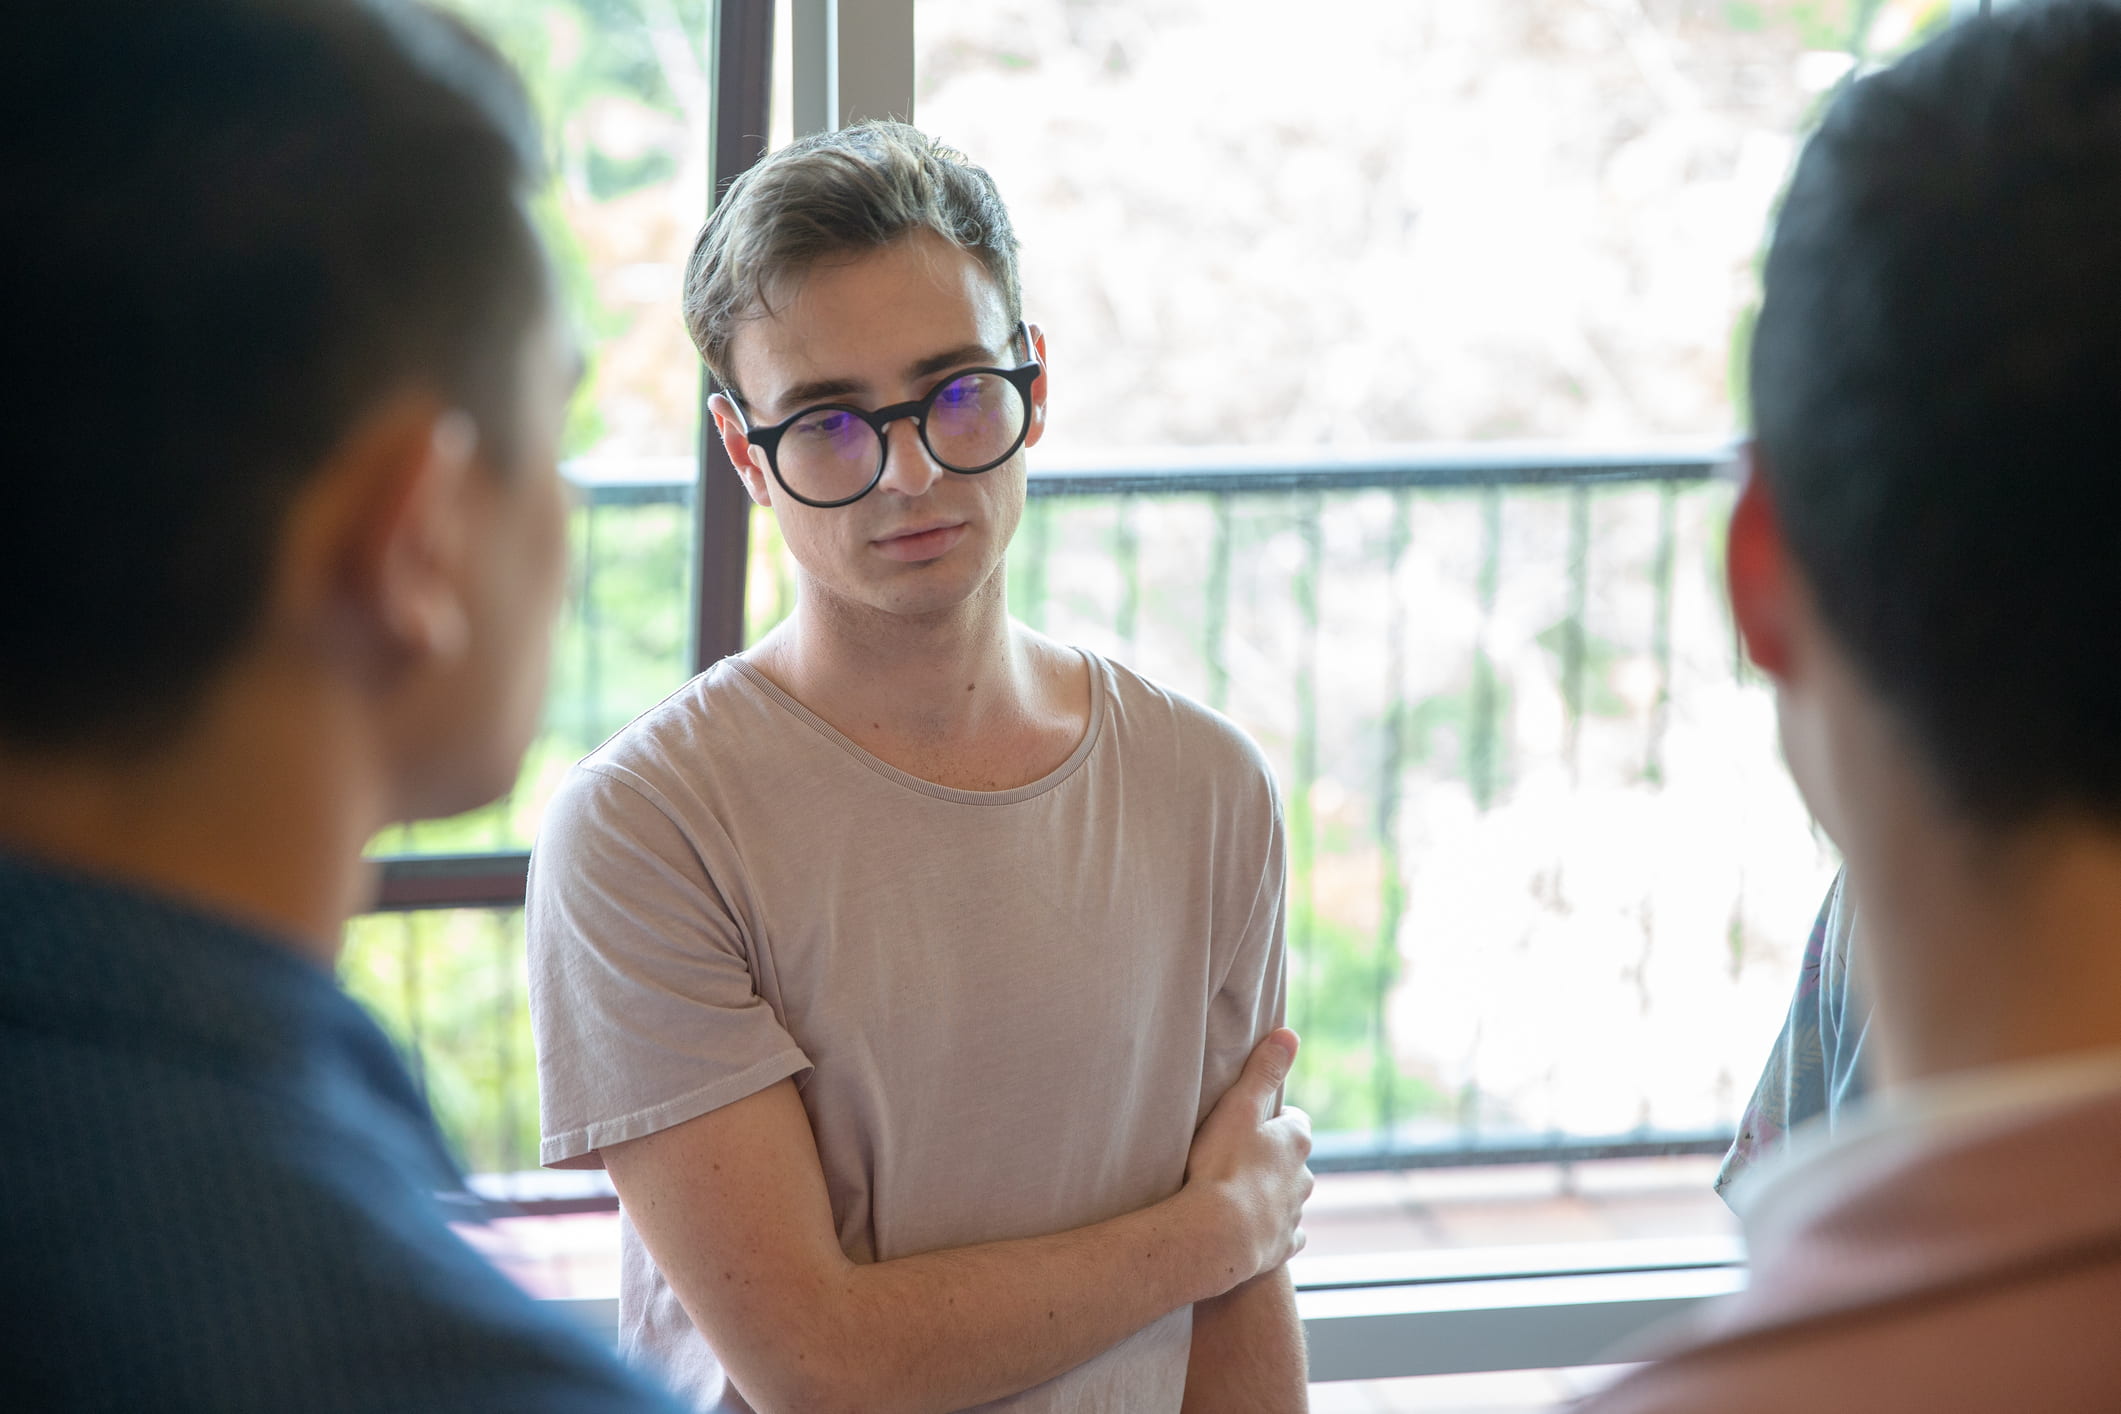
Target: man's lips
(926, 543)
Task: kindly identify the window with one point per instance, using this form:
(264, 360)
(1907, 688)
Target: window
(1462, 290)
(1394, 354)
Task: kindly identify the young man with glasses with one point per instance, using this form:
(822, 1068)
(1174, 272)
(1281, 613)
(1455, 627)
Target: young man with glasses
(893, 967)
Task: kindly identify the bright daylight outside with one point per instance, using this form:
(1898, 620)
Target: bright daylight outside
(1549, 882)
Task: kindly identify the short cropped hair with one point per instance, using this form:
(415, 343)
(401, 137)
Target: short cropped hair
(1936, 394)
(833, 195)
(232, 227)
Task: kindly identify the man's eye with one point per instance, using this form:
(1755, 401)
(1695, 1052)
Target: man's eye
(823, 424)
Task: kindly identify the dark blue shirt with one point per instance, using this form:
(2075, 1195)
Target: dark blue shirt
(219, 1188)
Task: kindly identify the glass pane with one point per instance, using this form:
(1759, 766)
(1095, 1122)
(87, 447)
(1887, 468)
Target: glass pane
(623, 87)
(1541, 842)
(1549, 879)
(1394, 220)
(1368, 1226)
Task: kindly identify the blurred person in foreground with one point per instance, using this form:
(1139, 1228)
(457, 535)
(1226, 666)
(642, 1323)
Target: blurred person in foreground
(1924, 561)
(285, 540)
(892, 966)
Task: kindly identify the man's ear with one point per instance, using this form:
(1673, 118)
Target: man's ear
(1758, 572)
(1037, 429)
(406, 527)
(729, 425)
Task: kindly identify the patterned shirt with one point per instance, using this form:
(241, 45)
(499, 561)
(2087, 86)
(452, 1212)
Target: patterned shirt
(1816, 1068)
(222, 1190)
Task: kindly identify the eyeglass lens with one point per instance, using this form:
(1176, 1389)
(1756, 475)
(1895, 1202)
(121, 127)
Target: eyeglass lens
(972, 423)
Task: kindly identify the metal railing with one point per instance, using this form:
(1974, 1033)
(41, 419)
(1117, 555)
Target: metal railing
(1242, 560)
(494, 878)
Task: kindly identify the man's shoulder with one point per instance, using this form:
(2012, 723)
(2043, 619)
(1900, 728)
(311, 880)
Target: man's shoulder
(281, 1234)
(1152, 720)
(1937, 1348)
(717, 710)
(725, 724)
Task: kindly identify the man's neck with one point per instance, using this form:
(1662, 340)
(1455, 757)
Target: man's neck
(964, 697)
(251, 816)
(939, 675)
(1983, 951)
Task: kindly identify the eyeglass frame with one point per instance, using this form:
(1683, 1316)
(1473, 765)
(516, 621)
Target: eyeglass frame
(768, 439)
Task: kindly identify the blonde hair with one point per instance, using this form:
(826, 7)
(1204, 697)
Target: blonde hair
(847, 192)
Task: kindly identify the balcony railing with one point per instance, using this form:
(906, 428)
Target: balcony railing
(1547, 879)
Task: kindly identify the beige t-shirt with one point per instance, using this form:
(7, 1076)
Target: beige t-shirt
(1007, 1011)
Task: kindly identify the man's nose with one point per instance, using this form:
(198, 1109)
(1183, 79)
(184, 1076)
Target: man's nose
(908, 469)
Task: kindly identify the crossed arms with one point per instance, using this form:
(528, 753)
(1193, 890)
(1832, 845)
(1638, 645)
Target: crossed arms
(733, 1207)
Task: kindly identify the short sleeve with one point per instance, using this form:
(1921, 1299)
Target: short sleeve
(1252, 997)
(643, 1003)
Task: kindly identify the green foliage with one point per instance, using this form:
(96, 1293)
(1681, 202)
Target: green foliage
(1817, 24)
(1027, 562)
(769, 587)
(571, 52)
(612, 177)
(1817, 21)
(1602, 658)
(1741, 362)
(447, 987)
(586, 317)
(1342, 1077)
(1745, 16)
(622, 645)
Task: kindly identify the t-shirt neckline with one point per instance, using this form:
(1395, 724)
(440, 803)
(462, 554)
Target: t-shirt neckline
(1012, 796)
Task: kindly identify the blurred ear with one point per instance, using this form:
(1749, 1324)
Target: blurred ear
(750, 463)
(1759, 574)
(1037, 428)
(383, 542)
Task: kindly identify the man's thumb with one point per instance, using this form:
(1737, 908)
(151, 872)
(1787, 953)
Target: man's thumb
(1269, 1064)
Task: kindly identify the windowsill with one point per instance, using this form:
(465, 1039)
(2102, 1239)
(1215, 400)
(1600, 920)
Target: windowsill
(1430, 1273)
(1450, 1327)
(1511, 1323)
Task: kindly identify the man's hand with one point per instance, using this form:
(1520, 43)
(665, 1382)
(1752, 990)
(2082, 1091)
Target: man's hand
(1249, 1156)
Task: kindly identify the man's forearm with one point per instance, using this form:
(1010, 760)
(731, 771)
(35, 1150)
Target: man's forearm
(734, 1208)
(943, 1330)
(1248, 1351)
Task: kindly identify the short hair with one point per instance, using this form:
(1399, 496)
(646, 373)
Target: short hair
(232, 227)
(831, 195)
(1935, 381)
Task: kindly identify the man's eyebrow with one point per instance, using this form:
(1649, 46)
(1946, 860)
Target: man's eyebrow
(964, 355)
(818, 390)
(822, 390)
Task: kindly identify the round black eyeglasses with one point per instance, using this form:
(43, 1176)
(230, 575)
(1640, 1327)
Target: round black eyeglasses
(834, 454)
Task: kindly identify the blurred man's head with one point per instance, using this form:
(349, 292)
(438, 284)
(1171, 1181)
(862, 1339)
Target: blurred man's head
(284, 379)
(1934, 383)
